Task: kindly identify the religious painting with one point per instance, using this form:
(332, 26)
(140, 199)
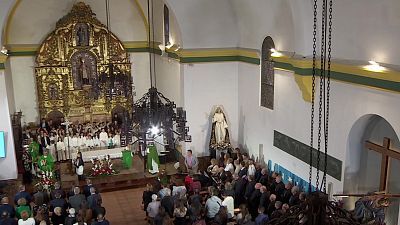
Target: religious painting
(84, 69)
(267, 74)
(53, 91)
(82, 34)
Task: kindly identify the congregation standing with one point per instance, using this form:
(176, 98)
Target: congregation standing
(233, 189)
(58, 207)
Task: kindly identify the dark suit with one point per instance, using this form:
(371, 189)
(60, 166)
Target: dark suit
(257, 175)
(53, 192)
(8, 221)
(76, 201)
(271, 208)
(22, 194)
(58, 203)
(264, 200)
(287, 193)
(254, 202)
(45, 141)
(242, 172)
(92, 200)
(45, 126)
(249, 189)
(40, 198)
(264, 180)
(168, 203)
(7, 208)
(86, 190)
(239, 187)
(278, 189)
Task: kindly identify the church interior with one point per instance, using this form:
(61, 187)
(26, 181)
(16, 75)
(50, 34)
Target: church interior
(199, 112)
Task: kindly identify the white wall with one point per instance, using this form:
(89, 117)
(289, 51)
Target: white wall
(206, 86)
(140, 73)
(8, 165)
(24, 85)
(169, 79)
(206, 23)
(291, 116)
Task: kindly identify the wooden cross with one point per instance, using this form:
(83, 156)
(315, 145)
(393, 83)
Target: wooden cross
(387, 153)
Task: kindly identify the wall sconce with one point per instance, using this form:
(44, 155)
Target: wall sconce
(374, 67)
(177, 48)
(169, 45)
(162, 47)
(4, 51)
(275, 53)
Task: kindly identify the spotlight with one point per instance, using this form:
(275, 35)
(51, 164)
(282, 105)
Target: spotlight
(154, 130)
(275, 53)
(374, 67)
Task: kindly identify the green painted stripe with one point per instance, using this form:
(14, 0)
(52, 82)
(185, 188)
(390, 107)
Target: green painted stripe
(301, 151)
(137, 49)
(368, 81)
(296, 70)
(220, 59)
(26, 53)
(2, 66)
(172, 55)
(345, 77)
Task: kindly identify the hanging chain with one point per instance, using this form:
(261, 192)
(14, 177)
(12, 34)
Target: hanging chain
(321, 90)
(328, 88)
(313, 93)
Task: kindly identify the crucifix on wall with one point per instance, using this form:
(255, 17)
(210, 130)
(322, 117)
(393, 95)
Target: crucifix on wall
(387, 154)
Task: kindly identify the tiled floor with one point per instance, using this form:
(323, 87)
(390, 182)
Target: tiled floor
(124, 207)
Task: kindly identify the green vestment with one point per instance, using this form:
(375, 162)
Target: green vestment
(46, 163)
(34, 151)
(152, 159)
(127, 159)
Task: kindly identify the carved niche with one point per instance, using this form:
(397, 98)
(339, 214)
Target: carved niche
(73, 65)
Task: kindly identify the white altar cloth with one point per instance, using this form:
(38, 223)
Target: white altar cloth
(88, 155)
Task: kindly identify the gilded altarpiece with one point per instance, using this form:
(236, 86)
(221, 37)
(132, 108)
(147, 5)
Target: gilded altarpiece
(83, 71)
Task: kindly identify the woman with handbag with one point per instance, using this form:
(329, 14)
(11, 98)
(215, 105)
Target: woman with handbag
(79, 166)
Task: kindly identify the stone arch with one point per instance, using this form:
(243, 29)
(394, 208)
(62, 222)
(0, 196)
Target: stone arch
(56, 116)
(362, 166)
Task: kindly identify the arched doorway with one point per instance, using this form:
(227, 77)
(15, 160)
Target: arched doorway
(363, 166)
(55, 116)
(118, 113)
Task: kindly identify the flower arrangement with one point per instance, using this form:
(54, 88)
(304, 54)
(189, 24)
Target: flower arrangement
(46, 180)
(102, 166)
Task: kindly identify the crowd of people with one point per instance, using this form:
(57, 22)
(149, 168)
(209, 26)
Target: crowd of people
(75, 207)
(234, 188)
(80, 137)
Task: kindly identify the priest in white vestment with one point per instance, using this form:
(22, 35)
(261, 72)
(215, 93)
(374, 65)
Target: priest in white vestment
(103, 137)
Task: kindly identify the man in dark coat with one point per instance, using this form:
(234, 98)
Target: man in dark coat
(254, 201)
(168, 203)
(239, 188)
(250, 187)
(264, 179)
(264, 198)
(76, 200)
(278, 187)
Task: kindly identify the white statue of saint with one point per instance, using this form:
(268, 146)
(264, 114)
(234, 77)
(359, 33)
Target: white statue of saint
(220, 126)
